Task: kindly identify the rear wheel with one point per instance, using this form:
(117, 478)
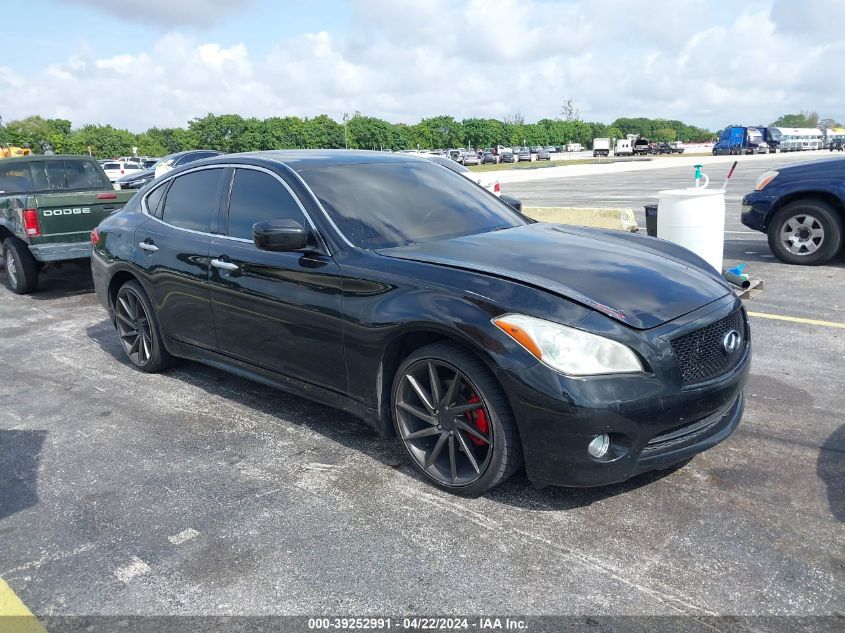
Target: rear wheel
(806, 232)
(454, 420)
(21, 267)
(137, 328)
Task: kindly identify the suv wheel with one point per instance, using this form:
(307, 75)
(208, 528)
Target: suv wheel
(21, 267)
(806, 232)
(454, 420)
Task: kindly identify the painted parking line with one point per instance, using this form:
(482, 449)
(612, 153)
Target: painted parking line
(781, 317)
(14, 616)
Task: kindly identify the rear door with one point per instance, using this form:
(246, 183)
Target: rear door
(281, 311)
(171, 248)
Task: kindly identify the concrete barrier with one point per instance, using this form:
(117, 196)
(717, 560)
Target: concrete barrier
(620, 219)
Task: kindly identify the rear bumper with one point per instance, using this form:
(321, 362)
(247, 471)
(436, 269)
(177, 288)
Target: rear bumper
(61, 251)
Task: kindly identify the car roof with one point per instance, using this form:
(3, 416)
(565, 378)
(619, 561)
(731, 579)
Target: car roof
(302, 159)
(42, 157)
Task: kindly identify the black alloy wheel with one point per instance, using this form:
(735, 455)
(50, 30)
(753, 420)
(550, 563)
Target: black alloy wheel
(454, 421)
(138, 330)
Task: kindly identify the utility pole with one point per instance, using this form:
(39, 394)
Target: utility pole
(345, 133)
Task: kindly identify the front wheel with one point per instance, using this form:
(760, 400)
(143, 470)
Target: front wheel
(137, 328)
(454, 420)
(806, 232)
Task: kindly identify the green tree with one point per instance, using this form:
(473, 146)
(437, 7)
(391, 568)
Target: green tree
(33, 130)
(323, 132)
(104, 141)
(802, 119)
(441, 132)
(220, 132)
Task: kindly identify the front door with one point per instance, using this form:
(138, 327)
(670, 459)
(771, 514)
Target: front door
(281, 311)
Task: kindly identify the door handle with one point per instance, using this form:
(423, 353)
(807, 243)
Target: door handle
(219, 263)
(148, 246)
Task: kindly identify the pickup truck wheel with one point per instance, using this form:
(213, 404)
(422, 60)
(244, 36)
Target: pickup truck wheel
(21, 267)
(806, 232)
(137, 328)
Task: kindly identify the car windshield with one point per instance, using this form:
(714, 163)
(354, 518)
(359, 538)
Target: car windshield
(383, 205)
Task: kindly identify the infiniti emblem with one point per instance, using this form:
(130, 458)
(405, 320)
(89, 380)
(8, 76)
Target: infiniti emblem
(731, 341)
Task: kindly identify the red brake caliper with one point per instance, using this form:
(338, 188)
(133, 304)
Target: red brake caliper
(478, 419)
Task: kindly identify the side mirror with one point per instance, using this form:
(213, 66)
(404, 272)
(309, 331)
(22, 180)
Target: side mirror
(280, 235)
(514, 202)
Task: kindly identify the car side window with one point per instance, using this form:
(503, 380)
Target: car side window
(257, 197)
(192, 200)
(154, 206)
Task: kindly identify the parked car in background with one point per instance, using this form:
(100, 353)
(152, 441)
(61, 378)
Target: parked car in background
(118, 169)
(524, 155)
(508, 157)
(837, 144)
(454, 154)
(543, 154)
(483, 340)
(172, 161)
(48, 206)
(551, 149)
(801, 207)
(149, 163)
(470, 158)
(489, 157)
(574, 147)
(489, 181)
(135, 180)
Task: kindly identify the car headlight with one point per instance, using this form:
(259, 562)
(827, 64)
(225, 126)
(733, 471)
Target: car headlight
(568, 350)
(765, 178)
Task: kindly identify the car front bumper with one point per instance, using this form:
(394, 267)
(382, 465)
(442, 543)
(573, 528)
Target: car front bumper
(653, 422)
(757, 208)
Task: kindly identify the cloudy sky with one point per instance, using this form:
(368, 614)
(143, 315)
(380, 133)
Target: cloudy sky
(163, 62)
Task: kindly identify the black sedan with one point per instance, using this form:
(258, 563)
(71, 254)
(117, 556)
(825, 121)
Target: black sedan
(489, 157)
(398, 290)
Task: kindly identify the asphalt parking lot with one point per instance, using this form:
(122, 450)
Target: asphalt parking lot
(197, 492)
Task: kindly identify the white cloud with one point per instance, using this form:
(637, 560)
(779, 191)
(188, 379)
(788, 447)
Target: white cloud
(408, 59)
(169, 13)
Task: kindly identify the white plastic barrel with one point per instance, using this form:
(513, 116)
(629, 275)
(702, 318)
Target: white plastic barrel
(695, 219)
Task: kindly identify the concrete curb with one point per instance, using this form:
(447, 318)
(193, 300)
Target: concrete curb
(619, 219)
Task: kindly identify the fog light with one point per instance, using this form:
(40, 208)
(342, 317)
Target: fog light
(598, 447)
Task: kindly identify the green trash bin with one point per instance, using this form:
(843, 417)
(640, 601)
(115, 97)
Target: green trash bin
(651, 220)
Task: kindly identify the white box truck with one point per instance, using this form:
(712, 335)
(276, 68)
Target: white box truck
(601, 147)
(623, 148)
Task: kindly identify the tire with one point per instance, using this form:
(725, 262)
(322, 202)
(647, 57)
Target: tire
(21, 267)
(806, 232)
(466, 463)
(137, 328)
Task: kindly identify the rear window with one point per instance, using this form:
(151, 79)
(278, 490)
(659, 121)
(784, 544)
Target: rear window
(111, 166)
(52, 175)
(192, 200)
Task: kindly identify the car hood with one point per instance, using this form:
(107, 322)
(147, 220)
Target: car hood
(642, 282)
(136, 175)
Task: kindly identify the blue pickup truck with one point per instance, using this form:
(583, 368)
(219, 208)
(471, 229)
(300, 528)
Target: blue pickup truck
(801, 207)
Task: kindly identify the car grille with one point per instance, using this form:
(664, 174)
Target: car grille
(701, 355)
